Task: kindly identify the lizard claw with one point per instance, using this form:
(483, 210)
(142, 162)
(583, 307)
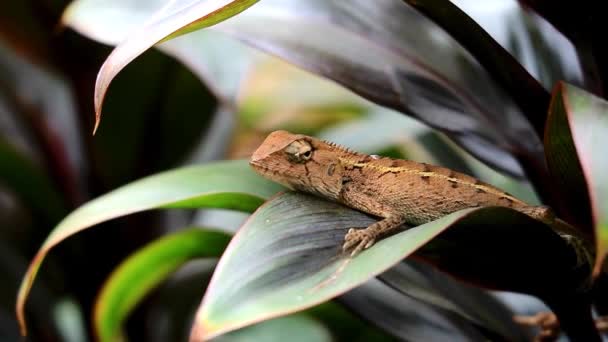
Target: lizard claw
(360, 239)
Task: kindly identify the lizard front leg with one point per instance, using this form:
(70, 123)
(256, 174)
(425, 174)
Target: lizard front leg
(362, 239)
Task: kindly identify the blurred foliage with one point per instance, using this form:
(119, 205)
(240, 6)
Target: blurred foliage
(477, 78)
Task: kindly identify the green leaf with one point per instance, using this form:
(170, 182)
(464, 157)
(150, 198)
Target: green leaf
(295, 328)
(346, 325)
(285, 257)
(229, 185)
(145, 270)
(171, 21)
(576, 140)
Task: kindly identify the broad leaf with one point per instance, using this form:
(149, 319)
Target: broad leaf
(530, 96)
(295, 328)
(407, 63)
(406, 317)
(287, 257)
(346, 325)
(146, 269)
(218, 60)
(452, 93)
(566, 21)
(584, 26)
(422, 282)
(545, 52)
(230, 185)
(175, 19)
(491, 253)
(577, 135)
(141, 102)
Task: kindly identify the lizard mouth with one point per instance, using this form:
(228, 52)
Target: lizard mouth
(257, 165)
(262, 169)
(269, 173)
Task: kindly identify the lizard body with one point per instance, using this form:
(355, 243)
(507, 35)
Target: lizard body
(398, 191)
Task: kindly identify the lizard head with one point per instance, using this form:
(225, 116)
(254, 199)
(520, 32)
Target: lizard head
(296, 161)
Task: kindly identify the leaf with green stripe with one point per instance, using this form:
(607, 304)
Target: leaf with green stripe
(228, 185)
(287, 257)
(145, 270)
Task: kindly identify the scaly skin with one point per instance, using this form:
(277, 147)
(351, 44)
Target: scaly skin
(399, 191)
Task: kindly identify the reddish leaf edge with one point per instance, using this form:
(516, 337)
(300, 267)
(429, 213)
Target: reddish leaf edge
(601, 253)
(202, 331)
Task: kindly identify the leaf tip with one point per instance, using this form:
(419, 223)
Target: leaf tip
(197, 334)
(97, 121)
(600, 259)
(20, 305)
(98, 102)
(21, 321)
(24, 291)
(102, 84)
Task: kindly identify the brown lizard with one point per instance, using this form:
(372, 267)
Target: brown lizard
(399, 191)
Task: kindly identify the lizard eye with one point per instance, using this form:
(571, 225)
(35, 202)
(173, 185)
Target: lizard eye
(306, 155)
(299, 151)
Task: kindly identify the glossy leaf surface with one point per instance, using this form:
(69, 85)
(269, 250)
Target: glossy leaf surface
(146, 269)
(410, 65)
(407, 63)
(285, 257)
(139, 134)
(576, 140)
(229, 185)
(295, 328)
(218, 60)
(174, 19)
(406, 317)
(504, 68)
(426, 284)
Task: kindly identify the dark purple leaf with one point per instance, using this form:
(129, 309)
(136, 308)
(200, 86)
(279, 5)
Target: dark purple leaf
(584, 24)
(407, 63)
(430, 286)
(529, 95)
(407, 318)
(294, 241)
(576, 143)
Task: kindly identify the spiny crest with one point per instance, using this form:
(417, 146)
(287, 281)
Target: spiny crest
(340, 147)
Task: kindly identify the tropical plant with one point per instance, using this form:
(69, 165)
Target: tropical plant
(425, 59)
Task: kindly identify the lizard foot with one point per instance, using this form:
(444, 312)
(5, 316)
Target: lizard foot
(360, 239)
